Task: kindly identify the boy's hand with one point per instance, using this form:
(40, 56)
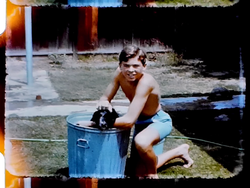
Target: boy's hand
(104, 105)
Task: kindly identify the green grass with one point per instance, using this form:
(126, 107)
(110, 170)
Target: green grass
(37, 158)
(45, 158)
(88, 58)
(204, 165)
(85, 87)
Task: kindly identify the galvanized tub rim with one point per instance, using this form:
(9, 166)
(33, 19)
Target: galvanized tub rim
(89, 129)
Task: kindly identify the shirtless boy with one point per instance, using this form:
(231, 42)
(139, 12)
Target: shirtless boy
(152, 124)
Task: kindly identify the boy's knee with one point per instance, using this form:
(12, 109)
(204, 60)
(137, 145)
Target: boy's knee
(142, 143)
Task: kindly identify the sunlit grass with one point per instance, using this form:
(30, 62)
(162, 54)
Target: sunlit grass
(45, 158)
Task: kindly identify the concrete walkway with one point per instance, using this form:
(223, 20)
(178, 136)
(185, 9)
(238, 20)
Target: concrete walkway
(21, 98)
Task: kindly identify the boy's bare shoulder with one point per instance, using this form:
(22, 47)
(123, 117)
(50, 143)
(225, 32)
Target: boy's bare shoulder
(148, 79)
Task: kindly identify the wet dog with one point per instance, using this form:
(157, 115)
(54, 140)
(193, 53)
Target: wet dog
(104, 119)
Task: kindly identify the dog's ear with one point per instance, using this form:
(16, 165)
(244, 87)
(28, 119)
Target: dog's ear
(111, 117)
(114, 113)
(96, 118)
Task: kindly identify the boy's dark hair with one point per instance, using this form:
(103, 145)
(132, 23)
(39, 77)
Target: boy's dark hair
(131, 51)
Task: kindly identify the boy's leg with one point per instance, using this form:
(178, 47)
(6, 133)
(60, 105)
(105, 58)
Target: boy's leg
(179, 152)
(144, 142)
(136, 166)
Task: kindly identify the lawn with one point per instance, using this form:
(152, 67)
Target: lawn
(86, 79)
(41, 159)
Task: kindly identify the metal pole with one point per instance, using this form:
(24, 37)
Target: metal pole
(28, 42)
(27, 182)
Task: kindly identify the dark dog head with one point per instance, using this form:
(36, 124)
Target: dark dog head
(104, 119)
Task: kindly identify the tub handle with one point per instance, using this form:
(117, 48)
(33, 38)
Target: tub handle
(83, 143)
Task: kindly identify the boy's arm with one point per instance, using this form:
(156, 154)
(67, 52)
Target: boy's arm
(110, 92)
(143, 90)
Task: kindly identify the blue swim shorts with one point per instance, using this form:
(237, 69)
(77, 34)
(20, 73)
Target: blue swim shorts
(161, 121)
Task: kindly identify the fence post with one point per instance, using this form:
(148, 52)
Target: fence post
(87, 28)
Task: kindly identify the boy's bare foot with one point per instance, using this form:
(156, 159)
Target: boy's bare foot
(185, 156)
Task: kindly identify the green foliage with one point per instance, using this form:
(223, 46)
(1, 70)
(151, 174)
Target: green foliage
(88, 58)
(173, 59)
(57, 58)
(168, 58)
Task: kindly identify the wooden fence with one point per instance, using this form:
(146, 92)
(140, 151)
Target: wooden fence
(195, 32)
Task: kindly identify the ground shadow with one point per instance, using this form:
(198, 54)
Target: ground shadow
(218, 126)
